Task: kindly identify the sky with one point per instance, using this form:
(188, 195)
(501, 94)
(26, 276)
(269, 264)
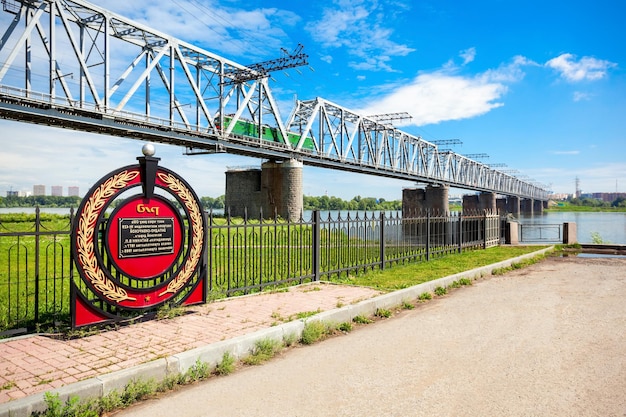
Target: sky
(539, 86)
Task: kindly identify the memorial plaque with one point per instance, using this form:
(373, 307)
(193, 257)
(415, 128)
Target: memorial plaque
(145, 237)
(149, 251)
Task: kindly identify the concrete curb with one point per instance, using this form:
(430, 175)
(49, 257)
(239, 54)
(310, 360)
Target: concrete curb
(240, 346)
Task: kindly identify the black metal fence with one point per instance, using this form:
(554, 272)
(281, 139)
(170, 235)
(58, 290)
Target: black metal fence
(244, 255)
(35, 272)
(250, 254)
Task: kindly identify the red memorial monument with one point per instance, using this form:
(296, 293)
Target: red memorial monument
(138, 243)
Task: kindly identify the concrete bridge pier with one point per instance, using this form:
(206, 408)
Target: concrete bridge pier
(276, 188)
(487, 201)
(502, 205)
(243, 192)
(538, 206)
(470, 203)
(526, 206)
(479, 202)
(281, 189)
(513, 205)
(418, 200)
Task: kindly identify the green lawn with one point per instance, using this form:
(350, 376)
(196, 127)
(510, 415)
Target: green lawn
(403, 276)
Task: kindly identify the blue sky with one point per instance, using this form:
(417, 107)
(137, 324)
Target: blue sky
(537, 85)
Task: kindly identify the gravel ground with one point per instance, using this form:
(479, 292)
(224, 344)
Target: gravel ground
(547, 340)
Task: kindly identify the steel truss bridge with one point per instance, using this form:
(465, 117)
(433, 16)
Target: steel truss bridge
(71, 64)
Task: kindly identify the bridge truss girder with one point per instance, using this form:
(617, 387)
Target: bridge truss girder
(72, 64)
(87, 58)
(347, 140)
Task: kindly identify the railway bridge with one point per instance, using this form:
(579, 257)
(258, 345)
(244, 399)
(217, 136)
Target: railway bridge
(72, 64)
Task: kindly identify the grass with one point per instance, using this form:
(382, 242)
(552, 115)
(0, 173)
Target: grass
(403, 276)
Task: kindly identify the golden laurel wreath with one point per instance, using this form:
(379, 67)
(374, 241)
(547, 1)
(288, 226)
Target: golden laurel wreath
(86, 228)
(195, 217)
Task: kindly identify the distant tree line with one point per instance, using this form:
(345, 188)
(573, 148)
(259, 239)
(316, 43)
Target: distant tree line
(310, 203)
(39, 200)
(357, 203)
(594, 202)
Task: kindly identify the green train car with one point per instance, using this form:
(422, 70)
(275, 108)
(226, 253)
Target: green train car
(268, 133)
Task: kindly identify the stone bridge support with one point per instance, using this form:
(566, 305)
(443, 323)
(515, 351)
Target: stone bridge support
(418, 200)
(276, 188)
(479, 202)
(513, 205)
(526, 206)
(487, 201)
(243, 192)
(538, 207)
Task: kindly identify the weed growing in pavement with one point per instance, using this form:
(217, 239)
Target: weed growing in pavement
(425, 296)
(305, 314)
(406, 305)
(345, 327)
(313, 331)
(383, 313)
(440, 291)
(198, 371)
(227, 366)
(465, 281)
(168, 311)
(361, 319)
(264, 350)
(290, 339)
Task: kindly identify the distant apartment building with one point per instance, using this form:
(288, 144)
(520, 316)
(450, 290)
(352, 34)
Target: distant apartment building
(72, 191)
(12, 193)
(56, 191)
(608, 196)
(39, 189)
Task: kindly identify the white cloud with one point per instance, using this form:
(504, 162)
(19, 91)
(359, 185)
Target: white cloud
(585, 69)
(468, 55)
(581, 96)
(358, 27)
(565, 152)
(235, 32)
(445, 95)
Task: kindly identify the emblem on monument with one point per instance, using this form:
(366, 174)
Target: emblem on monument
(138, 243)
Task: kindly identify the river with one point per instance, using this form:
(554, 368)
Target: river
(609, 227)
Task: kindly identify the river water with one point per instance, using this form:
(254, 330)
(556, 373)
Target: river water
(609, 227)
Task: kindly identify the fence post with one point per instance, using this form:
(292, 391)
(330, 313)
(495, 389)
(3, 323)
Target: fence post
(382, 240)
(460, 232)
(37, 237)
(317, 246)
(485, 229)
(428, 235)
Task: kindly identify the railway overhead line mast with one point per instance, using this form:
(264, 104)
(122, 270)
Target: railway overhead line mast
(72, 64)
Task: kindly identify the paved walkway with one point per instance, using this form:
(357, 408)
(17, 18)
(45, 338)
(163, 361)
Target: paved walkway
(34, 364)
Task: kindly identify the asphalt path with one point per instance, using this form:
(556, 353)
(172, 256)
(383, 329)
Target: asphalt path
(547, 340)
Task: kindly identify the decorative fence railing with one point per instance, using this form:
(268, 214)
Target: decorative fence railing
(250, 254)
(541, 233)
(35, 272)
(244, 255)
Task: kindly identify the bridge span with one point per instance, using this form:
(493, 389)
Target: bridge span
(75, 65)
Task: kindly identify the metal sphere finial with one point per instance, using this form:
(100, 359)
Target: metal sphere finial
(148, 149)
